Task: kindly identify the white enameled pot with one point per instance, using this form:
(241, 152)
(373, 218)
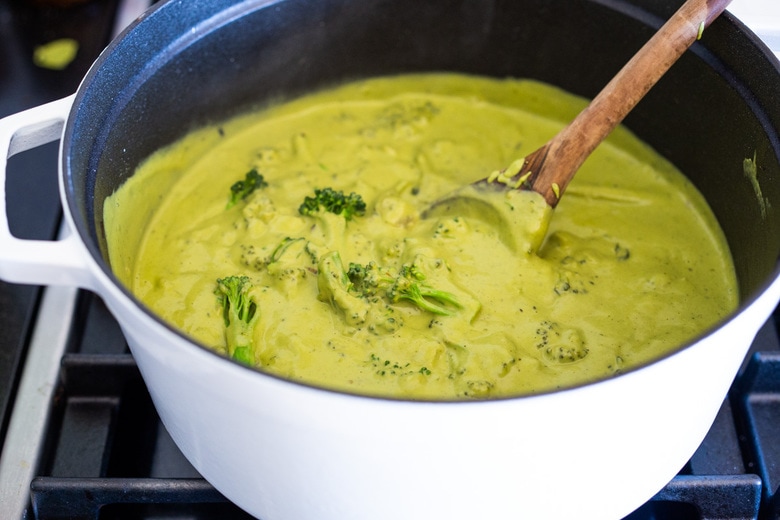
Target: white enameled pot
(286, 451)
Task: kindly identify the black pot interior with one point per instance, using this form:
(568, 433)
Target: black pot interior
(191, 63)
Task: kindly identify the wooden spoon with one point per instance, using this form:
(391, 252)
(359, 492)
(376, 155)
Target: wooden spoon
(549, 169)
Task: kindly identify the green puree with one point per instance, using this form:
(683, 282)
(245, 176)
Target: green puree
(632, 265)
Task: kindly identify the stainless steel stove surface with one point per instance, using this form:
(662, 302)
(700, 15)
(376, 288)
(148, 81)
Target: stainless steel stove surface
(80, 438)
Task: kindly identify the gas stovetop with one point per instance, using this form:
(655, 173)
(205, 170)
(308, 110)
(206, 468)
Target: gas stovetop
(80, 438)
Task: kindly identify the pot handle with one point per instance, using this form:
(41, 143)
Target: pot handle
(37, 262)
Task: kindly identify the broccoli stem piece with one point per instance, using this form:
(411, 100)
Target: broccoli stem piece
(409, 286)
(243, 188)
(240, 314)
(336, 202)
(334, 287)
(283, 246)
(425, 298)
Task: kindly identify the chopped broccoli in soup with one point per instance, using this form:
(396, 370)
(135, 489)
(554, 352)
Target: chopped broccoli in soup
(322, 266)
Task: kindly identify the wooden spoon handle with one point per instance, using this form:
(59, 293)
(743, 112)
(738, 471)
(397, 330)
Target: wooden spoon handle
(564, 154)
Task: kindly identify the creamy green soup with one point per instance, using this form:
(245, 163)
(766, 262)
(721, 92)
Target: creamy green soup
(629, 266)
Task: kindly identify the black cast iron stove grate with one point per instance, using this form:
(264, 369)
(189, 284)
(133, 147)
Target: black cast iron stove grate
(108, 456)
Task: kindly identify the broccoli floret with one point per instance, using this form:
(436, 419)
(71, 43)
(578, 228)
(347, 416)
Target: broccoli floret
(240, 314)
(405, 284)
(367, 293)
(409, 285)
(367, 280)
(334, 287)
(335, 202)
(243, 188)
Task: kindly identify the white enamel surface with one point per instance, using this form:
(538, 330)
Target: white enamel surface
(39, 262)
